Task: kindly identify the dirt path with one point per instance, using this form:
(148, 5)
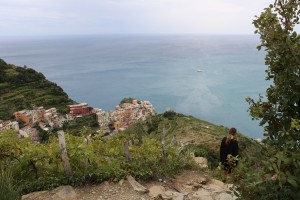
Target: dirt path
(192, 185)
(124, 191)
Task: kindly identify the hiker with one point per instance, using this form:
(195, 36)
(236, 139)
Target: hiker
(229, 146)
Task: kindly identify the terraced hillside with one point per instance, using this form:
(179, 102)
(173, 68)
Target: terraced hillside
(22, 88)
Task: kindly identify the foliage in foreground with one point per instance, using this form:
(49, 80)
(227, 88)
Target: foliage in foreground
(9, 190)
(39, 166)
(279, 113)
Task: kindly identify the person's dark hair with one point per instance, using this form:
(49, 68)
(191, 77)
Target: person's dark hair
(231, 136)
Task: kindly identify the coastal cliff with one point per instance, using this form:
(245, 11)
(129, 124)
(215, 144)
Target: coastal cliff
(23, 87)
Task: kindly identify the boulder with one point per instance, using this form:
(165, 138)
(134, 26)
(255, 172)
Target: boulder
(64, 193)
(136, 186)
(36, 195)
(60, 193)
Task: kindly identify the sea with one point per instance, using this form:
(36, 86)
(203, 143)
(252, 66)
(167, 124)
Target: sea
(205, 76)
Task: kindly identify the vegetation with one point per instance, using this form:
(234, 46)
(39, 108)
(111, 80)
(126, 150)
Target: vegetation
(127, 100)
(74, 126)
(39, 166)
(9, 190)
(279, 112)
(23, 88)
(202, 138)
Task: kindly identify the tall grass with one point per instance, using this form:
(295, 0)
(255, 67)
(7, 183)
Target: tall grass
(8, 190)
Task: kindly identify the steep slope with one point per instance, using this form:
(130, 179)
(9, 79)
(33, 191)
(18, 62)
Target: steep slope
(22, 88)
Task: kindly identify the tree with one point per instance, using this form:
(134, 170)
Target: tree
(279, 111)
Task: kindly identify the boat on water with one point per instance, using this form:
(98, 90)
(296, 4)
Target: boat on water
(199, 70)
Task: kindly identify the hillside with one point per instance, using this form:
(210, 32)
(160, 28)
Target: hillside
(197, 136)
(22, 88)
(39, 165)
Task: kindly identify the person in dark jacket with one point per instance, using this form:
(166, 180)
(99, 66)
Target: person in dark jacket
(229, 146)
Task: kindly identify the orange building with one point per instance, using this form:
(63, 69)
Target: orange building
(24, 116)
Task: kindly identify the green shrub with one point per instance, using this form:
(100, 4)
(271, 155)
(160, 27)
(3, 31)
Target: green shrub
(201, 152)
(170, 114)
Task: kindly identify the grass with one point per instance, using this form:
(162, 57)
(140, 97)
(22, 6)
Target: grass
(8, 189)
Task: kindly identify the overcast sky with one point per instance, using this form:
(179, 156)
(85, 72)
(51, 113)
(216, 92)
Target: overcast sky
(56, 17)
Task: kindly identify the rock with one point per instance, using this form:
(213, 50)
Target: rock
(60, 193)
(224, 196)
(167, 195)
(64, 193)
(202, 194)
(196, 185)
(188, 186)
(201, 161)
(136, 186)
(179, 196)
(121, 182)
(35, 195)
(156, 191)
(218, 183)
(202, 180)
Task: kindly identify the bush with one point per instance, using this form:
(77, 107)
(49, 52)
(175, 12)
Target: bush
(169, 114)
(201, 152)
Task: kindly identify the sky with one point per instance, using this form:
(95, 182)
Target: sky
(65, 17)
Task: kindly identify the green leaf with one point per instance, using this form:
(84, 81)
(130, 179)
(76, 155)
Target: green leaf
(293, 182)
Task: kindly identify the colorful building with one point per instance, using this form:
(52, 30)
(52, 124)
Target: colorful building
(79, 109)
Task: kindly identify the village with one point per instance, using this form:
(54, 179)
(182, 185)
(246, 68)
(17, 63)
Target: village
(27, 123)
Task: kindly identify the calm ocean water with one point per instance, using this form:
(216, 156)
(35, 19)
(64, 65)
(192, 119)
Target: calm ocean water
(101, 70)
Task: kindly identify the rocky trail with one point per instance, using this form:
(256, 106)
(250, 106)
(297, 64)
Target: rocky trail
(189, 185)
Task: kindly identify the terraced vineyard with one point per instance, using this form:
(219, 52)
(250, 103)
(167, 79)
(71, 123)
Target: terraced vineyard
(23, 88)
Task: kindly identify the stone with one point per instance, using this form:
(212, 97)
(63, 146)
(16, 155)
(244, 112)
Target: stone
(167, 195)
(196, 185)
(201, 161)
(202, 194)
(60, 193)
(179, 196)
(64, 193)
(35, 195)
(202, 180)
(218, 183)
(188, 186)
(121, 182)
(156, 191)
(224, 196)
(136, 186)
